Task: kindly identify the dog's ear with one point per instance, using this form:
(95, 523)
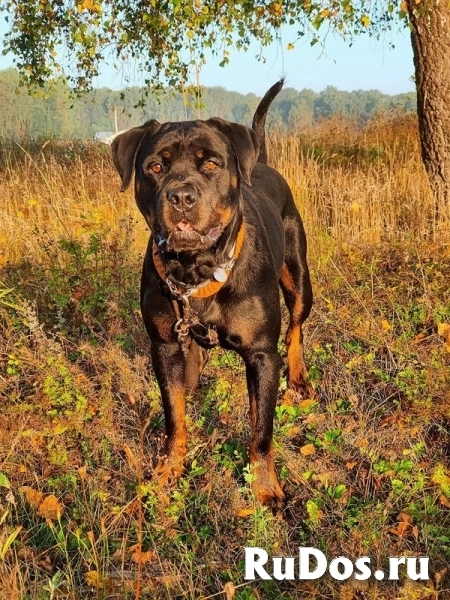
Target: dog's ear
(125, 148)
(245, 144)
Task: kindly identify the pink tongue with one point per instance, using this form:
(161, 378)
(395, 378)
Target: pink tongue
(184, 225)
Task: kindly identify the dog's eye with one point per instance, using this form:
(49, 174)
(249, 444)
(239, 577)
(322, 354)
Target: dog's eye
(156, 168)
(210, 165)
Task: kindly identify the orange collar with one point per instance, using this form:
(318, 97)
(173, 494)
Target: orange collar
(209, 288)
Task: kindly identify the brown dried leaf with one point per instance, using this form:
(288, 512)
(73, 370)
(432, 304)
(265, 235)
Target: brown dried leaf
(419, 338)
(132, 460)
(404, 527)
(307, 404)
(404, 517)
(245, 512)
(385, 325)
(439, 575)
(308, 449)
(444, 501)
(293, 431)
(33, 497)
(138, 556)
(444, 331)
(50, 508)
(82, 472)
(94, 579)
(230, 590)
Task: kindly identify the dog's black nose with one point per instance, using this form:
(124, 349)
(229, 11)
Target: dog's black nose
(182, 197)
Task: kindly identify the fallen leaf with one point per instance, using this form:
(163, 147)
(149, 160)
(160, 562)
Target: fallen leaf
(362, 444)
(307, 404)
(230, 590)
(82, 472)
(94, 579)
(142, 557)
(404, 527)
(404, 517)
(419, 338)
(138, 556)
(245, 512)
(314, 419)
(132, 460)
(33, 497)
(444, 331)
(385, 325)
(50, 508)
(293, 431)
(440, 478)
(439, 575)
(307, 449)
(58, 429)
(353, 399)
(444, 501)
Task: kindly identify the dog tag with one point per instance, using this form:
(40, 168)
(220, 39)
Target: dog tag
(220, 274)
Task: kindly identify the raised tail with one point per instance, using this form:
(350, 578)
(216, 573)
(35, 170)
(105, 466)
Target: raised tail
(259, 118)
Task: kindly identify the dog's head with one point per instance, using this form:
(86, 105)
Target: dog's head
(187, 177)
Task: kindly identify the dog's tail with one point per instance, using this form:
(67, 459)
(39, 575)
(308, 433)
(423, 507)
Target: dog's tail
(259, 119)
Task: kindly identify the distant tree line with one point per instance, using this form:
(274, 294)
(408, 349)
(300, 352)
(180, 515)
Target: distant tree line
(56, 114)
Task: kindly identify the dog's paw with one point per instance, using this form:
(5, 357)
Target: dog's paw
(269, 493)
(295, 395)
(169, 470)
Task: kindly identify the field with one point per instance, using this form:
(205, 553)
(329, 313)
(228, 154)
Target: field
(364, 464)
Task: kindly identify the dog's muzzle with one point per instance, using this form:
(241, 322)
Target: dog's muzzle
(184, 238)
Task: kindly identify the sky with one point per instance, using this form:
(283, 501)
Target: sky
(385, 65)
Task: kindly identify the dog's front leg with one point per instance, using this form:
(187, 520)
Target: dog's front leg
(262, 370)
(169, 365)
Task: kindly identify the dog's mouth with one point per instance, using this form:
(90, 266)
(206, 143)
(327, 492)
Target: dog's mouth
(185, 238)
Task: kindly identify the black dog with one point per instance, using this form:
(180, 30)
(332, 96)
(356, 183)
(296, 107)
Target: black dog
(225, 234)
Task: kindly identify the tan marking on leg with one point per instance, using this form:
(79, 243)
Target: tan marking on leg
(296, 362)
(171, 466)
(266, 487)
(297, 372)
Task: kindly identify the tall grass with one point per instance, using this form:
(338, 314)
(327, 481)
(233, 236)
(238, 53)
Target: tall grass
(361, 184)
(364, 464)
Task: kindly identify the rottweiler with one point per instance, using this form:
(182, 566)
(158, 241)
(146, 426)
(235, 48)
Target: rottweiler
(225, 234)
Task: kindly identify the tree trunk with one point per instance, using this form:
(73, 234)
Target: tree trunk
(430, 20)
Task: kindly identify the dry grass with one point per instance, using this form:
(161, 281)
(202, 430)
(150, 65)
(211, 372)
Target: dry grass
(360, 184)
(81, 420)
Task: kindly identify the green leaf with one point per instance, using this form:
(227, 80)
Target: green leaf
(4, 481)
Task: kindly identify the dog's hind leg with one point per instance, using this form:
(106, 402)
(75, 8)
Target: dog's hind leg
(195, 361)
(296, 286)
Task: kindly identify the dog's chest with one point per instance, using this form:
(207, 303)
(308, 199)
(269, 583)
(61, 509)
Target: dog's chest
(234, 322)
